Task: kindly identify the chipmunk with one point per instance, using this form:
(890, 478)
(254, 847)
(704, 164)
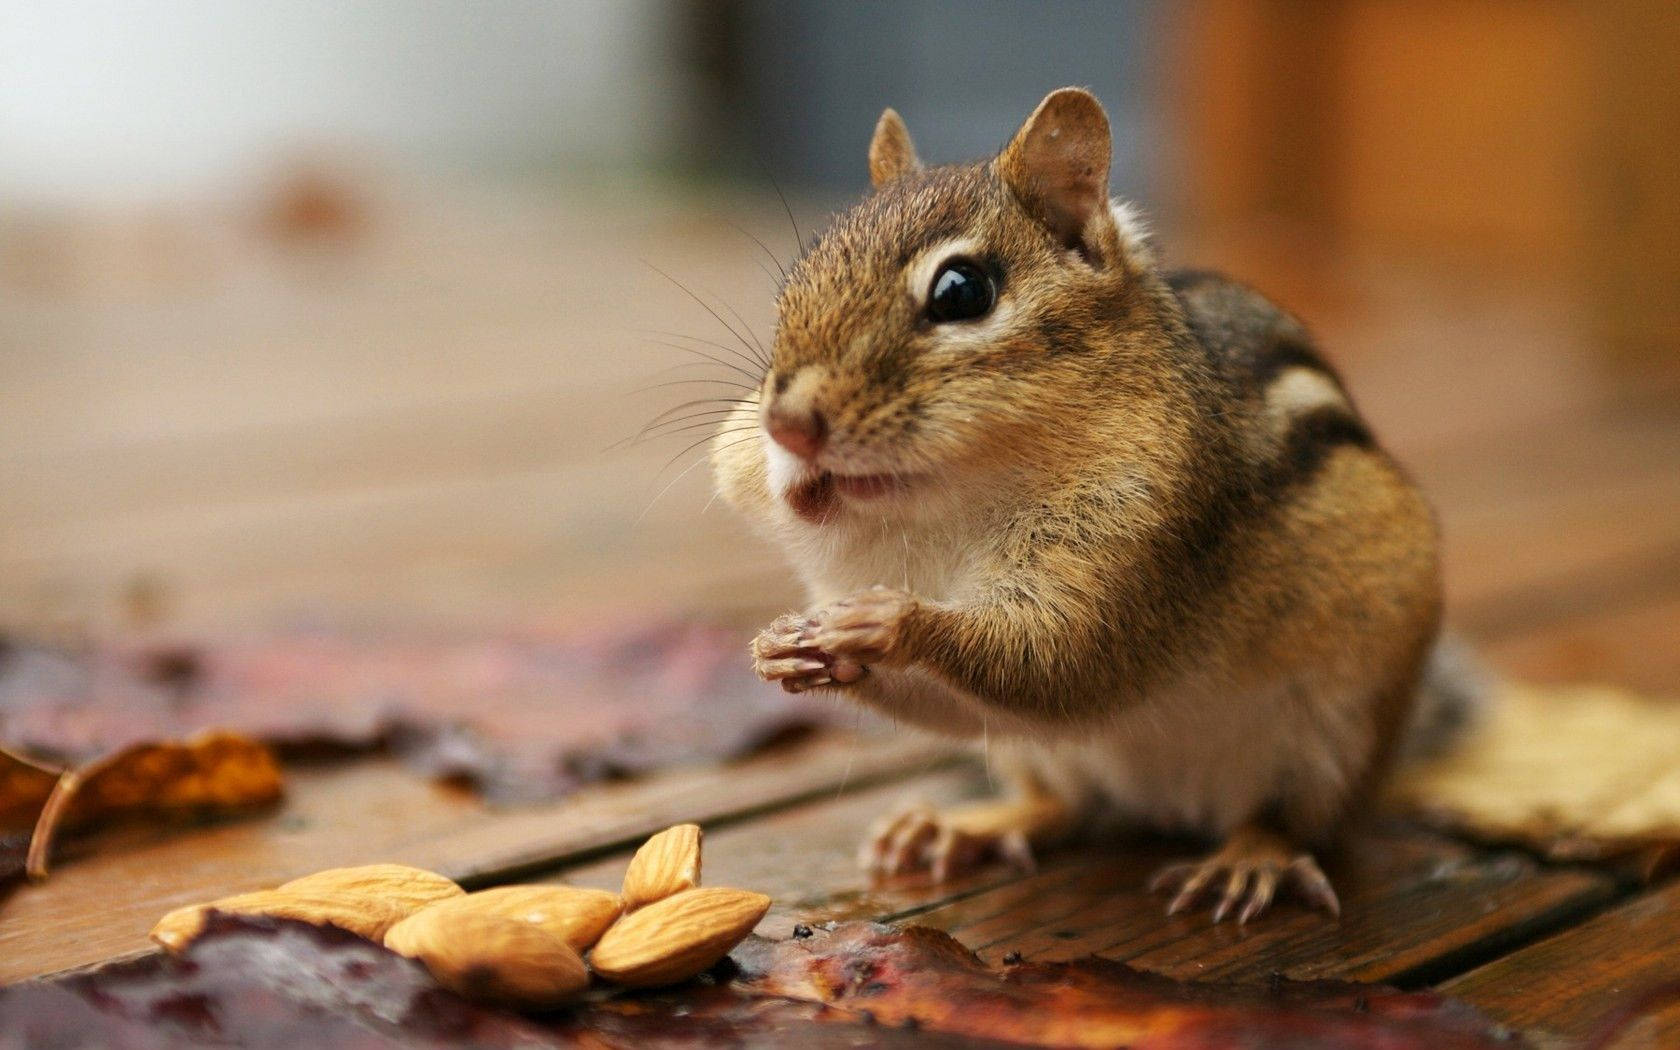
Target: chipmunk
(1125, 524)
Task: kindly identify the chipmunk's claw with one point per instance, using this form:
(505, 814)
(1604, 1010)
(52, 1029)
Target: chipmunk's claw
(779, 656)
(1253, 865)
(783, 653)
(920, 838)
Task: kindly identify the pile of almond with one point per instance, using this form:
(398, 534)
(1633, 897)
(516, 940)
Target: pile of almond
(520, 945)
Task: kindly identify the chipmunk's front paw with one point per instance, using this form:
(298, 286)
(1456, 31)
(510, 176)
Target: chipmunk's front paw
(783, 652)
(865, 628)
(780, 656)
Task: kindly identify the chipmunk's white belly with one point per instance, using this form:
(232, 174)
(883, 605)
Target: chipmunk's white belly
(1199, 761)
(1182, 763)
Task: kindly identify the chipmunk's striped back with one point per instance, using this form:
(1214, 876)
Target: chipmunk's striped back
(1299, 406)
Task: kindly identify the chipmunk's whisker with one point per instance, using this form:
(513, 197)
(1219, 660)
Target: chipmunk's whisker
(754, 378)
(753, 354)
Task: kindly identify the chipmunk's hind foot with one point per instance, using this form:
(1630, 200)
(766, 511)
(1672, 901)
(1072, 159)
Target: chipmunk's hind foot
(1247, 872)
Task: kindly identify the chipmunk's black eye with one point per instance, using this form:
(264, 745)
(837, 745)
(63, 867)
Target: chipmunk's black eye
(961, 291)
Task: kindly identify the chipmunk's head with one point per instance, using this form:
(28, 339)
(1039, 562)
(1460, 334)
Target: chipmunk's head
(948, 325)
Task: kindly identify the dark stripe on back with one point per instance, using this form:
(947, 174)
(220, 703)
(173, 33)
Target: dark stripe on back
(1196, 559)
(1312, 437)
(1286, 352)
(1235, 493)
(1249, 338)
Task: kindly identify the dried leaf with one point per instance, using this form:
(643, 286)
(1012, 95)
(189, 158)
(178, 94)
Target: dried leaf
(255, 982)
(25, 786)
(922, 977)
(521, 716)
(1575, 774)
(212, 773)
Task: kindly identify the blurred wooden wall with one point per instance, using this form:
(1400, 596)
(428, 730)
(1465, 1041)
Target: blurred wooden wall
(1527, 135)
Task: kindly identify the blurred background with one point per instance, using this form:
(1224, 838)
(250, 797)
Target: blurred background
(353, 310)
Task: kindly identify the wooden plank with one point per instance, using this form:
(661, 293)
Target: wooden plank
(1568, 983)
(466, 549)
(327, 486)
(805, 857)
(101, 906)
(1526, 508)
(1630, 262)
(1637, 646)
(1413, 903)
(358, 457)
(423, 532)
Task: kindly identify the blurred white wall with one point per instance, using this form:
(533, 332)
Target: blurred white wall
(125, 100)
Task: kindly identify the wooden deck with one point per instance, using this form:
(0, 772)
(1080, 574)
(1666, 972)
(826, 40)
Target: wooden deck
(412, 428)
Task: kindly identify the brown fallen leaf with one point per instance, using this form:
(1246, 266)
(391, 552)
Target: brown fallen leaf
(25, 786)
(519, 715)
(1579, 774)
(920, 977)
(212, 773)
(263, 982)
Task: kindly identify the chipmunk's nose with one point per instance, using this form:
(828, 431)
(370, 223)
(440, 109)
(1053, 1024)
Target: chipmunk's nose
(801, 431)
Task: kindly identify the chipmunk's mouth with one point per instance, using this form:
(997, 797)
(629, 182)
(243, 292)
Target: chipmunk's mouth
(817, 497)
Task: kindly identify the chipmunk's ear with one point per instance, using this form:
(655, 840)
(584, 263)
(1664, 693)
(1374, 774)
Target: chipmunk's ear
(891, 153)
(1057, 167)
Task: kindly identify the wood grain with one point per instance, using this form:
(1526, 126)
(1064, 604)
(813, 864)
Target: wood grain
(1526, 510)
(101, 906)
(1416, 903)
(1569, 983)
(804, 857)
(1412, 903)
(1635, 645)
(422, 436)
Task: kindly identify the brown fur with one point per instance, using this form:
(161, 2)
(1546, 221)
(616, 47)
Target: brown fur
(1141, 511)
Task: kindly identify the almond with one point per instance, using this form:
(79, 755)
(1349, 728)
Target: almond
(677, 938)
(368, 917)
(576, 916)
(667, 863)
(407, 888)
(487, 956)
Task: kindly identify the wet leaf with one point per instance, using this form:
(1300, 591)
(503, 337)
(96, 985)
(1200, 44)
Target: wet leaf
(922, 977)
(520, 716)
(274, 983)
